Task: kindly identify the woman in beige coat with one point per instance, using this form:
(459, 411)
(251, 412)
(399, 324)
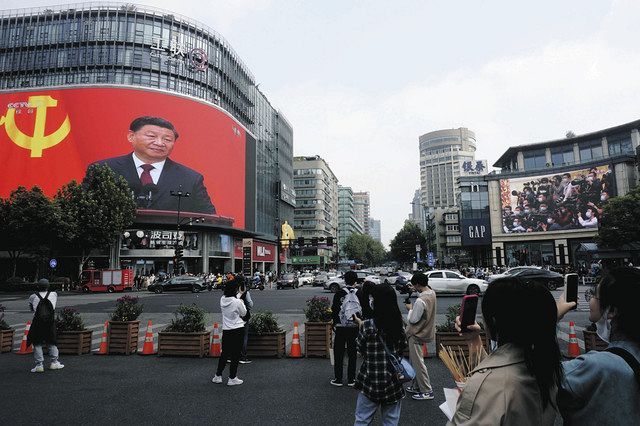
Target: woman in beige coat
(517, 383)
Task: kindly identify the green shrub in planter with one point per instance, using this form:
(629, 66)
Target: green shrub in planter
(318, 309)
(127, 309)
(187, 319)
(449, 326)
(262, 322)
(69, 320)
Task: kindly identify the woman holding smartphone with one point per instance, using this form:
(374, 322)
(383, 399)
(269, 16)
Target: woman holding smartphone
(517, 383)
(233, 309)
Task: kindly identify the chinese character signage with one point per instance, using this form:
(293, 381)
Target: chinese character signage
(476, 167)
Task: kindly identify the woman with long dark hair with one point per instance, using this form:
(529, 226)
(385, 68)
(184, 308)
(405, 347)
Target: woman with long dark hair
(518, 382)
(233, 309)
(378, 387)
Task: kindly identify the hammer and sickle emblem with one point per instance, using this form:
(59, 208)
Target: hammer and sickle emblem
(39, 141)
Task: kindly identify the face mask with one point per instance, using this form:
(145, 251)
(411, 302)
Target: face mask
(565, 180)
(603, 326)
(603, 198)
(540, 200)
(516, 224)
(549, 221)
(527, 211)
(543, 209)
(588, 214)
(518, 212)
(589, 179)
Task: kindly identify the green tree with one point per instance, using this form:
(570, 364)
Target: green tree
(403, 245)
(95, 212)
(28, 222)
(619, 224)
(364, 249)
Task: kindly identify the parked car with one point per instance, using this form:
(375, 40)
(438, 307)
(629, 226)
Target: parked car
(320, 279)
(395, 276)
(551, 280)
(305, 278)
(453, 282)
(336, 283)
(287, 280)
(511, 272)
(183, 282)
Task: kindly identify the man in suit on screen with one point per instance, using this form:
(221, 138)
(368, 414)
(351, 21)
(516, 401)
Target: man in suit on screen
(152, 175)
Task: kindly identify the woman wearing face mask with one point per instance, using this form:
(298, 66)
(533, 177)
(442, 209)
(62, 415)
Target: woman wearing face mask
(517, 383)
(600, 388)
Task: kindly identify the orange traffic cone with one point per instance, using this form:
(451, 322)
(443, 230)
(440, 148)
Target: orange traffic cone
(103, 341)
(216, 348)
(296, 351)
(147, 348)
(25, 348)
(574, 349)
(425, 350)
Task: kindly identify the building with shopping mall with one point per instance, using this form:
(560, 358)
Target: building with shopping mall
(80, 66)
(544, 205)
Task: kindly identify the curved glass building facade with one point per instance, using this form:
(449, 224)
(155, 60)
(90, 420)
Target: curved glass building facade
(102, 43)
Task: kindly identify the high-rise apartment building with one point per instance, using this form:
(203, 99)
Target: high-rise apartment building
(347, 223)
(316, 212)
(442, 156)
(361, 202)
(374, 229)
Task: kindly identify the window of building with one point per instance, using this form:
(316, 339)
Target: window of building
(453, 228)
(534, 160)
(620, 145)
(591, 150)
(562, 155)
(453, 238)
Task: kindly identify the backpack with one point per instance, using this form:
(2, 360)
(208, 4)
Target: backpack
(44, 311)
(350, 307)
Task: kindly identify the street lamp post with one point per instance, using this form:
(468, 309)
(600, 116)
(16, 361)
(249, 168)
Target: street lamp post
(178, 248)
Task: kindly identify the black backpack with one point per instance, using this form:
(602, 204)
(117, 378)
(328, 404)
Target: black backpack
(44, 311)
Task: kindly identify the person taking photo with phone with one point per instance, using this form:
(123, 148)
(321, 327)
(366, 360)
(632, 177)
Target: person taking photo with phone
(233, 309)
(602, 388)
(516, 384)
(421, 329)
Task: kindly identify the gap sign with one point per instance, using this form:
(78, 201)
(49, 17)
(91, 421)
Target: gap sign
(475, 232)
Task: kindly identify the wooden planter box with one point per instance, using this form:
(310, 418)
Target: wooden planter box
(122, 337)
(183, 344)
(268, 344)
(6, 340)
(74, 342)
(592, 342)
(317, 339)
(454, 340)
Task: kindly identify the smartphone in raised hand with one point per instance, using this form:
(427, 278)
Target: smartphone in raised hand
(571, 288)
(468, 310)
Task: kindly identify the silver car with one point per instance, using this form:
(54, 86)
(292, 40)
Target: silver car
(452, 282)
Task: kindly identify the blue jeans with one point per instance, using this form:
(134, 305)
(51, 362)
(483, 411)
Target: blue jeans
(366, 409)
(39, 357)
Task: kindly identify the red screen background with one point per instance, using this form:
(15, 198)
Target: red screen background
(210, 142)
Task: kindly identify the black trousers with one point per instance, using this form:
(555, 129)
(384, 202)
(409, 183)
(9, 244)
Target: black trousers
(345, 336)
(231, 347)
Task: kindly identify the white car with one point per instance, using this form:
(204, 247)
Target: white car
(336, 283)
(305, 278)
(393, 277)
(452, 282)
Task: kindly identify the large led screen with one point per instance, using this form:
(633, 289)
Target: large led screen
(157, 141)
(556, 202)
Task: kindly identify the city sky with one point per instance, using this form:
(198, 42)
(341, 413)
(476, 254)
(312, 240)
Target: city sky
(360, 81)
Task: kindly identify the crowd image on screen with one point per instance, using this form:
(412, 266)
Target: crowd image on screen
(558, 202)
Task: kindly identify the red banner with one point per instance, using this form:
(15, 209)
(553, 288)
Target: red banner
(263, 252)
(49, 137)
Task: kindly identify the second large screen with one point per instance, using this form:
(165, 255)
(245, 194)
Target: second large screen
(571, 200)
(157, 141)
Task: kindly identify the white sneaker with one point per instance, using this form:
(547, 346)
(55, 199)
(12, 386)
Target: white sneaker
(38, 369)
(56, 365)
(234, 381)
(217, 379)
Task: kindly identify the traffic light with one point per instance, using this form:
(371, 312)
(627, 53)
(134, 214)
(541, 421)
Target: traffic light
(330, 241)
(314, 241)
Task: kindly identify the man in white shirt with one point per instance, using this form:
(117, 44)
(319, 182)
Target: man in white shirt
(43, 330)
(420, 330)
